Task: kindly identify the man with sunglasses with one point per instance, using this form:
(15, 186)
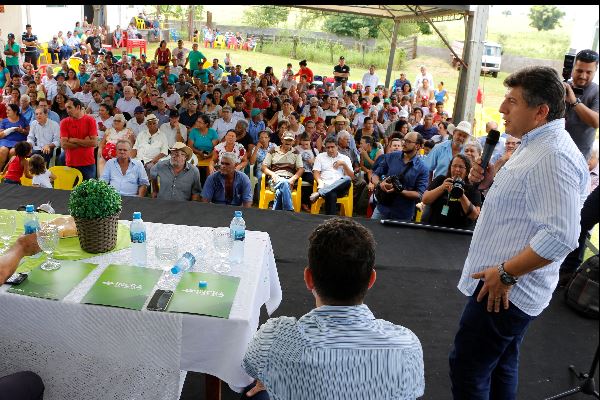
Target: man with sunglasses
(415, 178)
(582, 109)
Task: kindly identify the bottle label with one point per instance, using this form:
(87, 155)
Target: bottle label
(138, 237)
(239, 234)
(31, 228)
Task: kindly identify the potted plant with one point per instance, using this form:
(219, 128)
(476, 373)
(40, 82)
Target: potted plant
(95, 207)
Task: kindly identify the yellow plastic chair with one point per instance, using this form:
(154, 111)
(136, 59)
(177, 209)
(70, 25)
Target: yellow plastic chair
(267, 195)
(140, 23)
(346, 202)
(66, 177)
(43, 47)
(74, 63)
(220, 42)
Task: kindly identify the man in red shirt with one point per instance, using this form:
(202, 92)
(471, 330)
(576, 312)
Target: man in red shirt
(79, 137)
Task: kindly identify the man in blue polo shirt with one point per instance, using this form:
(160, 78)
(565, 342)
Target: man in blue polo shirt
(414, 178)
(427, 129)
(439, 158)
(228, 186)
(125, 174)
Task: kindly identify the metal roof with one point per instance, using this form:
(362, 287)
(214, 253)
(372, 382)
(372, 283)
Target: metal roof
(404, 13)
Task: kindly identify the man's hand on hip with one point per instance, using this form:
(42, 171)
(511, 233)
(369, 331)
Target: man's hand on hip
(497, 291)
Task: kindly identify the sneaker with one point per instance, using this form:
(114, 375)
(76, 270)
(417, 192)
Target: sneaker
(314, 196)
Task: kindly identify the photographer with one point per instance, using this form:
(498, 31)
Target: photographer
(407, 177)
(581, 97)
(453, 201)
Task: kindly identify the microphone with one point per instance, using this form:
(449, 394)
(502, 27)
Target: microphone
(490, 143)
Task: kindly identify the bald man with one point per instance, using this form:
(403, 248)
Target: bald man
(499, 149)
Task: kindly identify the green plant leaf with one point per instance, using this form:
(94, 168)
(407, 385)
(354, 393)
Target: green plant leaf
(94, 199)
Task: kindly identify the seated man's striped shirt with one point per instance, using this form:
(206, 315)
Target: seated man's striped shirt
(336, 352)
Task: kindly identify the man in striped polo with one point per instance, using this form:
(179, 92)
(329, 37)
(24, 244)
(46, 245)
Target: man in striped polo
(333, 350)
(527, 226)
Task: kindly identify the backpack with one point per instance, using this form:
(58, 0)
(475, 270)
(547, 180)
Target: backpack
(581, 293)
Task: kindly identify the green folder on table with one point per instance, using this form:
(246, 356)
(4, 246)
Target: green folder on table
(215, 300)
(54, 285)
(124, 286)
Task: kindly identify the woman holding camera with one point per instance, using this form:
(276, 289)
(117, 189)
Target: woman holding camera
(452, 201)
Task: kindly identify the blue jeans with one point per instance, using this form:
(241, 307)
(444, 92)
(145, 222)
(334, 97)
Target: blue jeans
(331, 193)
(65, 53)
(88, 171)
(13, 69)
(283, 196)
(484, 362)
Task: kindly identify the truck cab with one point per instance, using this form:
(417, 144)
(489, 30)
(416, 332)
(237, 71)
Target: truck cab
(491, 58)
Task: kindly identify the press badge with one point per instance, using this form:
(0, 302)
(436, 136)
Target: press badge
(445, 210)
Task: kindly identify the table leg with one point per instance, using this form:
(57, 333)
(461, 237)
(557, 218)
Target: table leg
(212, 387)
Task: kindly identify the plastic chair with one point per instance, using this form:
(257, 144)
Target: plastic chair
(74, 63)
(347, 202)
(44, 53)
(66, 177)
(140, 23)
(174, 35)
(267, 195)
(220, 42)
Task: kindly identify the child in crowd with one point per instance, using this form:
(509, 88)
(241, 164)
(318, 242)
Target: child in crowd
(42, 177)
(17, 166)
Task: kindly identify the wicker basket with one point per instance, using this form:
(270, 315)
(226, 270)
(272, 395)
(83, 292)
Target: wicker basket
(97, 235)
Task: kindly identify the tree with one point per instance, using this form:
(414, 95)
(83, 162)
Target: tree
(265, 16)
(544, 17)
(349, 25)
(424, 27)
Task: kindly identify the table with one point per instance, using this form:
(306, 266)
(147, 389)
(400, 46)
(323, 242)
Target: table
(82, 350)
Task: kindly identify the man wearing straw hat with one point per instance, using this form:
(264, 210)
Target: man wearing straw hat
(440, 156)
(176, 178)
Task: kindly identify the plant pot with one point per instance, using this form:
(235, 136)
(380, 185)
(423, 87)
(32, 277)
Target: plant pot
(97, 235)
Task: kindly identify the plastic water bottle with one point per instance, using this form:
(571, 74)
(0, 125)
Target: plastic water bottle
(185, 262)
(137, 231)
(31, 222)
(238, 234)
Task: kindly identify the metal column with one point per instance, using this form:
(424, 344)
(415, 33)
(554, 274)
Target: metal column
(468, 79)
(388, 74)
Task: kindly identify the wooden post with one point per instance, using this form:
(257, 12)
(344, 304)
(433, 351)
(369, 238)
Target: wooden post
(388, 74)
(209, 22)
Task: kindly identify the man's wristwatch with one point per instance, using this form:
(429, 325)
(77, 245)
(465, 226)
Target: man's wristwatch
(578, 101)
(505, 277)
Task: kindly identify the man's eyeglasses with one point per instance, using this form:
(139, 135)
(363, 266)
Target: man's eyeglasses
(408, 141)
(587, 56)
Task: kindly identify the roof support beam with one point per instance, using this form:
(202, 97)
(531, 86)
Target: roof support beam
(468, 78)
(390, 66)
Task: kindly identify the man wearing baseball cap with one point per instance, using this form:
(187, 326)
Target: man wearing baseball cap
(283, 167)
(11, 51)
(341, 71)
(441, 155)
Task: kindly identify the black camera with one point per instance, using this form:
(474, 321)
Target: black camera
(568, 64)
(396, 182)
(458, 188)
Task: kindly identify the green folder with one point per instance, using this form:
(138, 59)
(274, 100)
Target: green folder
(54, 285)
(215, 300)
(124, 286)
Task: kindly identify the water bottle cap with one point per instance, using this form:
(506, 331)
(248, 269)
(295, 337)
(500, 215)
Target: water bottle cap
(175, 270)
(137, 215)
(238, 214)
(29, 208)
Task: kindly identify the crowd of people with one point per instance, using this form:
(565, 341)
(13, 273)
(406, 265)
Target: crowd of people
(172, 129)
(398, 147)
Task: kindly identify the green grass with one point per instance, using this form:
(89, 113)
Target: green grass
(515, 35)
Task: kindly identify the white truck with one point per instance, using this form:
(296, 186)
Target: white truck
(491, 59)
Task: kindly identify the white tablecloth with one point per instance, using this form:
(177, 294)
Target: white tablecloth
(94, 352)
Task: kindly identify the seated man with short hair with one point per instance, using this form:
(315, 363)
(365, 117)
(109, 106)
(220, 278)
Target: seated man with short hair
(338, 350)
(124, 173)
(227, 185)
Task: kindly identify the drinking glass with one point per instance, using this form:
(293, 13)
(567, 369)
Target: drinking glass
(7, 229)
(222, 242)
(166, 253)
(47, 238)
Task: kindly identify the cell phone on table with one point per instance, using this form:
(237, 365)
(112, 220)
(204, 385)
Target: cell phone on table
(16, 279)
(160, 300)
